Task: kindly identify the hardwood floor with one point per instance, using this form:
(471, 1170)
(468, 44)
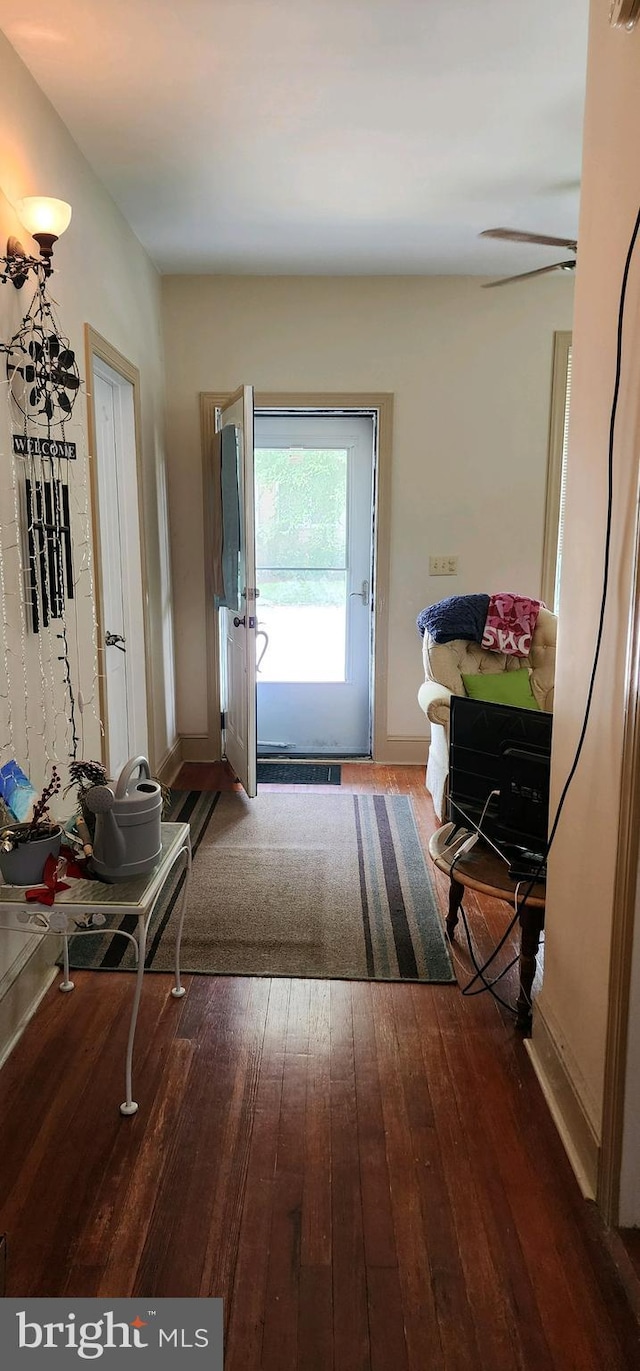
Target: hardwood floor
(366, 1172)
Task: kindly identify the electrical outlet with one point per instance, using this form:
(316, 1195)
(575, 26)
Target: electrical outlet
(443, 566)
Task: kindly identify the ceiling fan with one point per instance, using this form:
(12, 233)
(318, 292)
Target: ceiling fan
(516, 236)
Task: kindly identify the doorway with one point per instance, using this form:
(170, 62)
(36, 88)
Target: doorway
(118, 543)
(314, 484)
(379, 407)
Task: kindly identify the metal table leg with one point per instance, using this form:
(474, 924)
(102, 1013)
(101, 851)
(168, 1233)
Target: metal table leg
(65, 983)
(129, 1106)
(178, 989)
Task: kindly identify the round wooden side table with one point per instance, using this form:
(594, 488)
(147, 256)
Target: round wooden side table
(483, 870)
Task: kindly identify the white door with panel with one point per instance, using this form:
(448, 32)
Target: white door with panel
(314, 555)
(121, 592)
(238, 622)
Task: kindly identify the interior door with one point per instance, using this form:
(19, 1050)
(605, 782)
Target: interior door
(120, 568)
(238, 621)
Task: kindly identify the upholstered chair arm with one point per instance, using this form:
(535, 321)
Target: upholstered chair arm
(439, 712)
(434, 700)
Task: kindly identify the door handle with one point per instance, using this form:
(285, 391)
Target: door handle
(115, 640)
(238, 622)
(262, 633)
(361, 594)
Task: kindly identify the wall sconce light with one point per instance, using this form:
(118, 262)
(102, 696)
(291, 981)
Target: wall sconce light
(45, 219)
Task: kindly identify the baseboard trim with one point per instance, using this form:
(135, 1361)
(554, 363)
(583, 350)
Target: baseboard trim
(197, 747)
(19, 1003)
(625, 1267)
(401, 751)
(566, 1107)
(170, 764)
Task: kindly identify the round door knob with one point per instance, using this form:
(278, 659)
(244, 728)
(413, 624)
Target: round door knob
(237, 622)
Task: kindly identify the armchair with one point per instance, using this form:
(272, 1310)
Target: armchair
(444, 665)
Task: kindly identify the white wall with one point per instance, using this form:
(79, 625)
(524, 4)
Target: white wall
(471, 374)
(105, 278)
(574, 999)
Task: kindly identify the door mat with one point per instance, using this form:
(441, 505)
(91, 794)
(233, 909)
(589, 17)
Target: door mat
(313, 885)
(298, 773)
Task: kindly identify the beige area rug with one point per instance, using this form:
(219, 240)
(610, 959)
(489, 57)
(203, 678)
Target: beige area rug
(302, 884)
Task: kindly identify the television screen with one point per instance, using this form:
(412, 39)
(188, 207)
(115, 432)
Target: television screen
(505, 749)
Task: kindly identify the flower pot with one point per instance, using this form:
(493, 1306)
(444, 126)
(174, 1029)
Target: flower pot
(25, 864)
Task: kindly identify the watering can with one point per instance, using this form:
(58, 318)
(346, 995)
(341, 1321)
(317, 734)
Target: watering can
(127, 840)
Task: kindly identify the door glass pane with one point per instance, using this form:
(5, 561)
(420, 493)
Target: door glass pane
(301, 550)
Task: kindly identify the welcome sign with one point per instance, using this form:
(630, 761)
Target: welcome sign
(26, 446)
(57, 1333)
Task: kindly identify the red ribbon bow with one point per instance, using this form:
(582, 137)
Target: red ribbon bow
(45, 894)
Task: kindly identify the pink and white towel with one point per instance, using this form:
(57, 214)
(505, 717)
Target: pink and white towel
(510, 622)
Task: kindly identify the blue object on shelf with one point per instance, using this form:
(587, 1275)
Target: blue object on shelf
(17, 791)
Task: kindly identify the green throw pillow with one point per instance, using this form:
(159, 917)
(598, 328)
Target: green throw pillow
(502, 688)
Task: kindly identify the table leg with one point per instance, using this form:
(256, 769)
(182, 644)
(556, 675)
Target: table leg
(531, 925)
(178, 989)
(456, 891)
(65, 984)
(130, 1106)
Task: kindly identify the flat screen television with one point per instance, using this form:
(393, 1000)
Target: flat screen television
(506, 749)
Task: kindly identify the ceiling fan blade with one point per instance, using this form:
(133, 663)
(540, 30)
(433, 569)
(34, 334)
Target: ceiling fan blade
(523, 276)
(518, 236)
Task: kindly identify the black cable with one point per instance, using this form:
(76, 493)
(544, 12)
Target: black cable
(486, 985)
(479, 972)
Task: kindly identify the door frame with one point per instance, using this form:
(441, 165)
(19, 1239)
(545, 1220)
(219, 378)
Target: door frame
(380, 406)
(623, 924)
(562, 344)
(98, 347)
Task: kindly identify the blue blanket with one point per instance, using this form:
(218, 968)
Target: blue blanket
(459, 616)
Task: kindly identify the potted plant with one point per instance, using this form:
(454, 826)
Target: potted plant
(24, 847)
(84, 775)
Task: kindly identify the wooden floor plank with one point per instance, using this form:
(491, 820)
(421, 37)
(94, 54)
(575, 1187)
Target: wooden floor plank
(350, 1316)
(422, 1330)
(315, 1320)
(494, 1319)
(281, 1314)
(137, 1192)
(315, 1249)
(174, 1256)
(377, 1215)
(451, 1296)
(227, 1198)
(281, 1317)
(475, 1109)
(246, 1304)
(386, 1321)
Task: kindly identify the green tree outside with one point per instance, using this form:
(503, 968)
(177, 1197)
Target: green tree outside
(301, 524)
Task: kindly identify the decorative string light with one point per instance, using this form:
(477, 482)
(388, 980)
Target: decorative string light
(47, 538)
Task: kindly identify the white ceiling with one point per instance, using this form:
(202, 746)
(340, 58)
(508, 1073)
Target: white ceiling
(322, 135)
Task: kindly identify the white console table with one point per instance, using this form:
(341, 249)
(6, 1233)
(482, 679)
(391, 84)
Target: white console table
(88, 908)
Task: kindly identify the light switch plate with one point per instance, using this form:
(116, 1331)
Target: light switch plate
(443, 566)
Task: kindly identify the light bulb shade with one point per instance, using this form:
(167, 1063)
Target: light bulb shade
(39, 214)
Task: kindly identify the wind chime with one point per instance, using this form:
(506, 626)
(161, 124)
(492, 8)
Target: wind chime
(43, 384)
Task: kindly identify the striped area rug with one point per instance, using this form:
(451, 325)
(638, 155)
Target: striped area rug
(304, 884)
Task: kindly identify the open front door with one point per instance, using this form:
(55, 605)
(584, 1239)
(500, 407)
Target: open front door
(238, 622)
